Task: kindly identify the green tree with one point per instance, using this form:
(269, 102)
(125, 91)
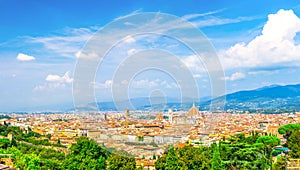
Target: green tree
(294, 144)
(269, 142)
(188, 157)
(86, 154)
(172, 160)
(287, 129)
(29, 162)
(280, 163)
(4, 143)
(48, 136)
(160, 164)
(216, 163)
(121, 160)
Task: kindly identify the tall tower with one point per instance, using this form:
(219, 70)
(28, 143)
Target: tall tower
(127, 118)
(170, 115)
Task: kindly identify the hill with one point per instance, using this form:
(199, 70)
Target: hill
(273, 97)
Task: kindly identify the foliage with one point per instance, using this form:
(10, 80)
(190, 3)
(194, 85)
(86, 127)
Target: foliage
(216, 162)
(187, 157)
(30, 136)
(238, 152)
(120, 160)
(294, 144)
(4, 143)
(288, 128)
(33, 157)
(280, 163)
(269, 140)
(86, 154)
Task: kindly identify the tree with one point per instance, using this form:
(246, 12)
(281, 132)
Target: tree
(216, 163)
(86, 154)
(172, 160)
(48, 136)
(121, 160)
(29, 161)
(280, 163)
(4, 143)
(154, 157)
(160, 164)
(269, 142)
(287, 129)
(188, 157)
(294, 144)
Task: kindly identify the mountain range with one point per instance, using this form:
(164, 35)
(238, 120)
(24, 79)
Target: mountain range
(274, 98)
(270, 98)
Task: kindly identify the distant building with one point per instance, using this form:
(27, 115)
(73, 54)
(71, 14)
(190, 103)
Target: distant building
(193, 111)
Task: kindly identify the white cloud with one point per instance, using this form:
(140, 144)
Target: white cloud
(106, 84)
(194, 63)
(60, 79)
(145, 83)
(193, 16)
(54, 82)
(127, 15)
(235, 76)
(129, 39)
(263, 72)
(207, 19)
(275, 45)
(49, 86)
(25, 57)
(153, 84)
(66, 43)
(214, 21)
(89, 56)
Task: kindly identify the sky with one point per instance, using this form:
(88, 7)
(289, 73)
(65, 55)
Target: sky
(41, 43)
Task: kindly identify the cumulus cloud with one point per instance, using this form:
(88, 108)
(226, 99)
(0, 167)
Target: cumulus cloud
(25, 57)
(235, 76)
(89, 56)
(106, 84)
(60, 79)
(145, 83)
(193, 62)
(49, 86)
(275, 45)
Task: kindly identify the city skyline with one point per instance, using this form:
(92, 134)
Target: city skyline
(257, 44)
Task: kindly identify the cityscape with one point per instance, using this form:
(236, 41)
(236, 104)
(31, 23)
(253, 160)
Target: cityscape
(138, 85)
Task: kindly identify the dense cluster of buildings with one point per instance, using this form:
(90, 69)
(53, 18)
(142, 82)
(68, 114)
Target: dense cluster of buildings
(147, 134)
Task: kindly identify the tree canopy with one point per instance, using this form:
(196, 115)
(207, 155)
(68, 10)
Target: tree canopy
(288, 128)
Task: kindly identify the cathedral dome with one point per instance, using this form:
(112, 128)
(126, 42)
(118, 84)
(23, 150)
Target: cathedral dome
(193, 111)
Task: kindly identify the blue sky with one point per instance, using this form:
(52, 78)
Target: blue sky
(257, 43)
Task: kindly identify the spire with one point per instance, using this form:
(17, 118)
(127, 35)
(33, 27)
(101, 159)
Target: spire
(127, 118)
